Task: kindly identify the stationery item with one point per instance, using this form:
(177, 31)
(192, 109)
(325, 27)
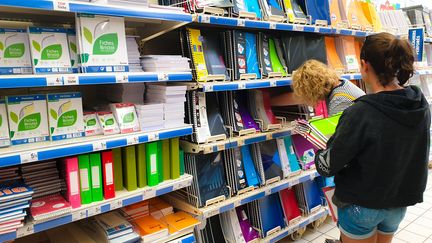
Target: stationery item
(72, 181)
(335, 13)
(289, 205)
(271, 8)
(213, 53)
(292, 158)
(118, 168)
(271, 213)
(160, 161)
(113, 224)
(214, 116)
(85, 178)
(332, 56)
(129, 168)
(252, 176)
(271, 160)
(319, 10)
(49, 207)
(305, 151)
(249, 233)
(96, 177)
(136, 210)
(165, 63)
(294, 12)
(108, 174)
(15, 52)
(166, 159)
(102, 43)
(275, 59)
(4, 126)
(49, 50)
(152, 158)
(182, 164)
(231, 226)
(150, 228)
(175, 157)
(28, 120)
(329, 193)
(345, 47)
(198, 56)
(91, 124)
(264, 54)
(141, 165)
(108, 122)
(126, 117)
(253, 6)
(252, 54)
(180, 221)
(371, 15)
(73, 49)
(65, 116)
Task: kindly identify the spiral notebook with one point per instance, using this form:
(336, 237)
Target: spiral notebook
(198, 56)
(48, 207)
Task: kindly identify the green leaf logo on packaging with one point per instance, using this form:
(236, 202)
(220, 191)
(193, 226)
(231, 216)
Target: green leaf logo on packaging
(109, 122)
(106, 44)
(52, 52)
(91, 122)
(66, 117)
(73, 47)
(27, 120)
(1, 46)
(14, 51)
(128, 118)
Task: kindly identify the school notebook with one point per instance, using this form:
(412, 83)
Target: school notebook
(49, 207)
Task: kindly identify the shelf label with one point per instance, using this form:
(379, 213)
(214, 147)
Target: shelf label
(354, 33)
(272, 25)
(116, 204)
(241, 22)
(131, 140)
(298, 27)
(205, 19)
(93, 211)
(25, 230)
(220, 147)
(153, 136)
(61, 5)
(181, 185)
(99, 145)
(54, 80)
(163, 77)
(295, 182)
(208, 88)
(28, 157)
(71, 79)
(122, 78)
(78, 215)
(273, 83)
(242, 85)
(149, 193)
(317, 29)
(338, 31)
(212, 213)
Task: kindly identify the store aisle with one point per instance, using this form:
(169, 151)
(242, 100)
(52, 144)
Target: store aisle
(415, 228)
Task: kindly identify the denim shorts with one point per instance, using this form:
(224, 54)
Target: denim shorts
(361, 223)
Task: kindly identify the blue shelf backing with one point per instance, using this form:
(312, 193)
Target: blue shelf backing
(91, 8)
(20, 154)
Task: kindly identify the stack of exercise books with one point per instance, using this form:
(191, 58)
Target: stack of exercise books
(133, 54)
(49, 207)
(165, 63)
(9, 174)
(14, 201)
(150, 116)
(115, 227)
(317, 131)
(44, 178)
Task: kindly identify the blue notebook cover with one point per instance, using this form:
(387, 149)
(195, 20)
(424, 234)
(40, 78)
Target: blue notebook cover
(312, 194)
(292, 157)
(297, 8)
(271, 159)
(275, 8)
(272, 214)
(253, 7)
(211, 176)
(318, 9)
(252, 54)
(14, 191)
(18, 207)
(252, 176)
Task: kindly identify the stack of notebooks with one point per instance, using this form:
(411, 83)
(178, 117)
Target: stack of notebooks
(14, 201)
(165, 63)
(133, 54)
(317, 131)
(43, 177)
(173, 98)
(114, 227)
(126, 93)
(9, 174)
(150, 116)
(49, 207)
(290, 205)
(395, 21)
(309, 196)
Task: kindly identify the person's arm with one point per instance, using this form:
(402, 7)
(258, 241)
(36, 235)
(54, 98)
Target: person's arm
(343, 146)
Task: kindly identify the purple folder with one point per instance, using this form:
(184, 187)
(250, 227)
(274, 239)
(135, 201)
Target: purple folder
(305, 151)
(249, 233)
(248, 121)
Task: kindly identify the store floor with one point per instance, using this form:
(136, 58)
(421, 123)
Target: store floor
(415, 228)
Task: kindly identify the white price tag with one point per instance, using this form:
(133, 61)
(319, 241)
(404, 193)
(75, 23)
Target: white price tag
(122, 78)
(221, 147)
(240, 142)
(54, 80)
(99, 145)
(317, 29)
(180, 185)
(205, 19)
(298, 27)
(93, 211)
(163, 77)
(25, 230)
(312, 176)
(354, 33)
(78, 215)
(153, 136)
(213, 213)
(294, 182)
(149, 193)
(71, 79)
(273, 83)
(209, 88)
(241, 22)
(273, 25)
(132, 140)
(29, 157)
(242, 85)
(116, 204)
(269, 136)
(268, 192)
(338, 31)
(61, 5)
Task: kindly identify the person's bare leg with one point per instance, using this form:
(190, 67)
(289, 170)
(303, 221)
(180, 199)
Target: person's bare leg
(372, 239)
(384, 238)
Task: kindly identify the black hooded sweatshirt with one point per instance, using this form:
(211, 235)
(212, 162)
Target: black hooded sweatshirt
(379, 152)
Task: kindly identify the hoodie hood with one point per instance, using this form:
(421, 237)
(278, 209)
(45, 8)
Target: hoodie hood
(407, 107)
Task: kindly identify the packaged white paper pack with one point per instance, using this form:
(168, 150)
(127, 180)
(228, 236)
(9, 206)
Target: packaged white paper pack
(126, 117)
(49, 50)
(101, 43)
(4, 126)
(73, 49)
(91, 124)
(14, 52)
(28, 120)
(108, 122)
(65, 116)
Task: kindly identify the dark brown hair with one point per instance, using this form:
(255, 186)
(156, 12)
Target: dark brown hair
(389, 56)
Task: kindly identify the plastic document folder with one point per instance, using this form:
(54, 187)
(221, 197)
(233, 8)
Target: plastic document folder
(252, 54)
(213, 53)
(210, 176)
(214, 116)
(345, 47)
(312, 194)
(318, 10)
(332, 56)
(290, 204)
(248, 231)
(252, 176)
(271, 213)
(335, 15)
(371, 15)
(253, 6)
(274, 57)
(325, 126)
(305, 151)
(271, 159)
(298, 10)
(292, 158)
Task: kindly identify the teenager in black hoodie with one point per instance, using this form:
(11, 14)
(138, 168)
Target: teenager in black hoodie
(379, 152)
